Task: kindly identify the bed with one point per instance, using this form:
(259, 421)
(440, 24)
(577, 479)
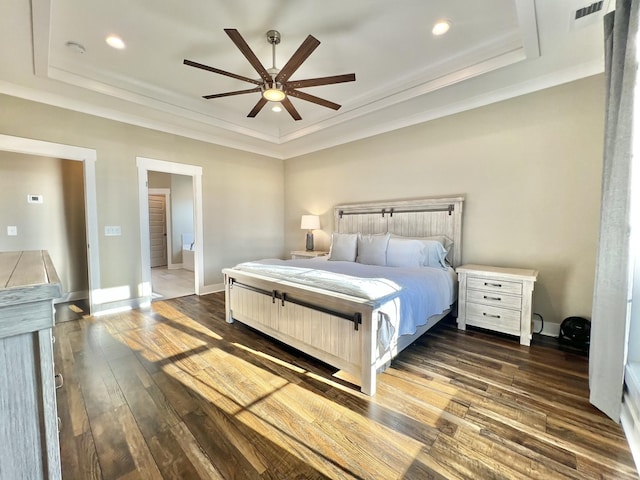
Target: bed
(349, 317)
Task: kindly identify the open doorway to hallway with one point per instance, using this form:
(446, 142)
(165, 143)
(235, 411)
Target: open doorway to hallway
(90, 268)
(43, 200)
(192, 176)
(171, 235)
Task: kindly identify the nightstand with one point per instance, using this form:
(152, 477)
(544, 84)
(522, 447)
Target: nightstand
(298, 254)
(497, 299)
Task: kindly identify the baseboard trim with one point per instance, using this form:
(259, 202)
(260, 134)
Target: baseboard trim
(72, 297)
(631, 429)
(213, 288)
(120, 306)
(142, 302)
(550, 329)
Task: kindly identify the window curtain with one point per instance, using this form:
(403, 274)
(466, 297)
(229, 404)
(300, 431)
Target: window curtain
(614, 263)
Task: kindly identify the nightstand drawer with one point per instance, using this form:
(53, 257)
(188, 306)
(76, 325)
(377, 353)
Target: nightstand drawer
(491, 285)
(496, 299)
(494, 318)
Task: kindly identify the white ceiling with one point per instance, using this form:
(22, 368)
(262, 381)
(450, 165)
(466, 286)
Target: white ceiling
(495, 49)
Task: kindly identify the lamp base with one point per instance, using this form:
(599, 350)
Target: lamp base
(309, 241)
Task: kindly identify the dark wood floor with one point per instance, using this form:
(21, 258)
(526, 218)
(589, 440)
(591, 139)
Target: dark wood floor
(175, 392)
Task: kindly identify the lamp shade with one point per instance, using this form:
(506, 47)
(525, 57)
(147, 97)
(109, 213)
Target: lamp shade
(310, 222)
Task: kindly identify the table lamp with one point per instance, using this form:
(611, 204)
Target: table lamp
(310, 223)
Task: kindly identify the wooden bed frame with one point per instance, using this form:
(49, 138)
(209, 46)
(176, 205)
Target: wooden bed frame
(339, 329)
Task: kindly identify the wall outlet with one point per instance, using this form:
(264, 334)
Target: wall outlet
(12, 231)
(112, 231)
(35, 199)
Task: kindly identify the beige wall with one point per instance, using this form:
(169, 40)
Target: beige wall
(529, 167)
(242, 192)
(57, 224)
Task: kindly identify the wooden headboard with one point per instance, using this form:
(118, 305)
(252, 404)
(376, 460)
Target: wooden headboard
(422, 217)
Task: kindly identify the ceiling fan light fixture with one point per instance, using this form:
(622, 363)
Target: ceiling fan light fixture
(274, 94)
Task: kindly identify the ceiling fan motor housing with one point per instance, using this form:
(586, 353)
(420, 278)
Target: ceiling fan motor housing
(273, 36)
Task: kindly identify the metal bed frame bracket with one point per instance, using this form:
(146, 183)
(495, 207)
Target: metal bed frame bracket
(449, 208)
(356, 317)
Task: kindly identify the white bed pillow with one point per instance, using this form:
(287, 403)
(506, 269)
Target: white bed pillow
(343, 247)
(372, 249)
(433, 255)
(405, 253)
(446, 242)
(443, 239)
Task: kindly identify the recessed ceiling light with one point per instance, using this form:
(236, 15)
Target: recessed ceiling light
(115, 42)
(441, 27)
(276, 108)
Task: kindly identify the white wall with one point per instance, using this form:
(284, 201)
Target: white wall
(530, 169)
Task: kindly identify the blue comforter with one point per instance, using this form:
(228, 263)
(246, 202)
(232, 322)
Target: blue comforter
(419, 292)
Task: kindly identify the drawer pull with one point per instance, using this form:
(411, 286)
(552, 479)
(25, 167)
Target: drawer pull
(497, 299)
(59, 380)
(490, 315)
(488, 284)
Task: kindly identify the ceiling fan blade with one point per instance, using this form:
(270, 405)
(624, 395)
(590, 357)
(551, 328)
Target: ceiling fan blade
(313, 99)
(248, 53)
(261, 103)
(308, 46)
(221, 72)
(314, 82)
(286, 103)
(229, 94)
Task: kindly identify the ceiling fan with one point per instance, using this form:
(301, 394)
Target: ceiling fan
(274, 83)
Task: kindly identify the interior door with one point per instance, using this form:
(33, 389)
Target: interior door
(158, 230)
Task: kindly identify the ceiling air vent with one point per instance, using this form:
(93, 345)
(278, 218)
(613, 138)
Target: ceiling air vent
(588, 15)
(584, 11)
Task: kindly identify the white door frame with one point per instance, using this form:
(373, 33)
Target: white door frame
(167, 208)
(144, 165)
(88, 156)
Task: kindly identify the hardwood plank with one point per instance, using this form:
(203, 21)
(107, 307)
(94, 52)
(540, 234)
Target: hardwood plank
(88, 465)
(136, 444)
(112, 448)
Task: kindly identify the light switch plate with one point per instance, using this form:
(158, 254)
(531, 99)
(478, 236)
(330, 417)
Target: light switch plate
(12, 231)
(112, 231)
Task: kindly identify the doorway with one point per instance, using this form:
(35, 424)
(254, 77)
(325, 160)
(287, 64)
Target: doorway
(171, 237)
(146, 166)
(88, 157)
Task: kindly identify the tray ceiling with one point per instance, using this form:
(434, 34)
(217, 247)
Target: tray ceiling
(405, 75)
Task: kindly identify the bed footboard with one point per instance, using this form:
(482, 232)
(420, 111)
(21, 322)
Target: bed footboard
(336, 329)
